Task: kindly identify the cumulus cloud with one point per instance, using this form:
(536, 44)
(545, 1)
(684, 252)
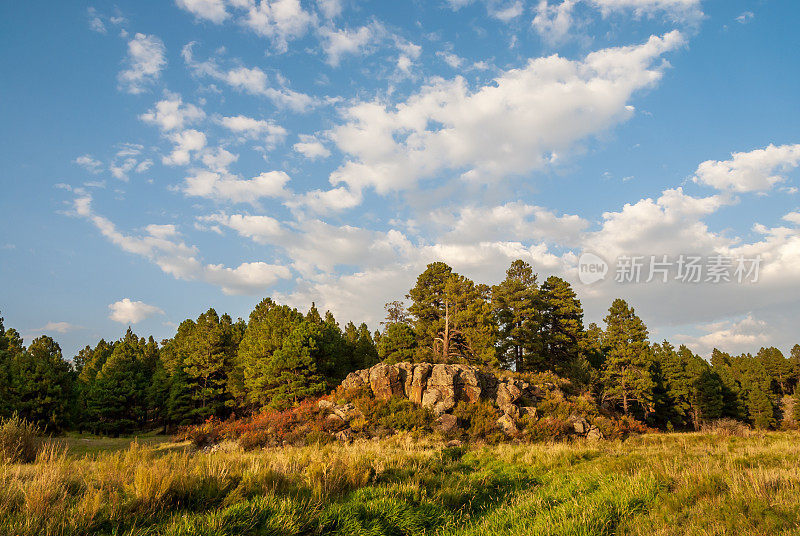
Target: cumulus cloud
(126, 311)
(556, 21)
(146, 59)
(162, 245)
(172, 114)
(338, 43)
(754, 171)
(224, 187)
(515, 125)
(89, 163)
(250, 80)
(210, 10)
(186, 143)
(743, 334)
(250, 128)
(281, 21)
(311, 147)
(58, 327)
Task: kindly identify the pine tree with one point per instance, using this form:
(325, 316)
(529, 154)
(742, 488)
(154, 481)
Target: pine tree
(366, 351)
(398, 344)
(778, 367)
(292, 372)
(518, 311)
(562, 328)
(180, 409)
(626, 377)
(117, 402)
(794, 364)
(428, 306)
(6, 358)
(269, 326)
(42, 384)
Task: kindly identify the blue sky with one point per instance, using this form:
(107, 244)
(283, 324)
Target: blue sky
(160, 158)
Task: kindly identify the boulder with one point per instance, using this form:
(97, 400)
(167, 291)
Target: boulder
(580, 425)
(528, 410)
(345, 435)
(325, 404)
(447, 423)
(594, 433)
(507, 393)
(419, 381)
(508, 425)
(384, 380)
(347, 412)
(511, 410)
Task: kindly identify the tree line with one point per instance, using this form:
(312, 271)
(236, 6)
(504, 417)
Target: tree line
(217, 367)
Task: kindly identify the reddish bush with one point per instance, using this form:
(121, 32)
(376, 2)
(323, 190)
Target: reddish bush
(619, 428)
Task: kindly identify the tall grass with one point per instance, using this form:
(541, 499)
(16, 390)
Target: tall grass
(706, 483)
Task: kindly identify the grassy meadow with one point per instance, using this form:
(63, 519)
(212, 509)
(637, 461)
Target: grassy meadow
(656, 484)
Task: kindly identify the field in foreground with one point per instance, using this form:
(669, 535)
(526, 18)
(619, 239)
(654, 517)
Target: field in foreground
(653, 484)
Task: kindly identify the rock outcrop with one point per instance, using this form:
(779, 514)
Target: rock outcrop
(441, 387)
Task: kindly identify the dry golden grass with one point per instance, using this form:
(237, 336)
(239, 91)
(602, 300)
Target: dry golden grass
(703, 483)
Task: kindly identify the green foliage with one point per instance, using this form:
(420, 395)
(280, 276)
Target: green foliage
(42, 383)
(398, 344)
(562, 330)
(480, 420)
(20, 440)
(518, 310)
(395, 414)
(626, 377)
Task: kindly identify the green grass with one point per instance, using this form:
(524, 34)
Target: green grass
(654, 484)
(79, 445)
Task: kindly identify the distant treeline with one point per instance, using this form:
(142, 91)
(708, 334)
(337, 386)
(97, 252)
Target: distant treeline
(217, 367)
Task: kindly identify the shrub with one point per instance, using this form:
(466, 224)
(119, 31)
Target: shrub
(548, 428)
(202, 435)
(20, 440)
(727, 428)
(619, 428)
(480, 420)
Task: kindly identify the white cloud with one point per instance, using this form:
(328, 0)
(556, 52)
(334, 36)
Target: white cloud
(512, 126)
(218, 159)
(161, 244)
(210, 10)
(96, 23)
(58, 327)
(451, 59)
(171, 114)
(225, 187)
(754, 171)
(793, 217)
(146, 60)
(250, 80)
(330, 8)
(311, 147)
(745, 17)
(260, 229)
(554, 22)
(507, 12)
(676, 10)
(127, 160)
(279, 20)
(186, 143)
(744, 334)
(337, 43)
(89, 163)
(250, 128)
(126, 311)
